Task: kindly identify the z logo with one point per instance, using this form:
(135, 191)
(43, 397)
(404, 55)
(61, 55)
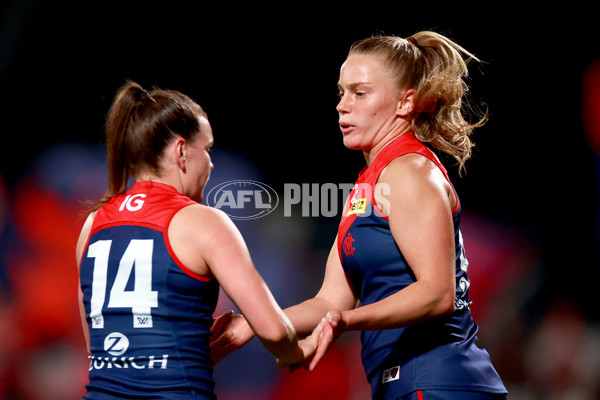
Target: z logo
(116, 343)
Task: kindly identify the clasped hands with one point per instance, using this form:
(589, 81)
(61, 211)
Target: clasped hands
(231, 332)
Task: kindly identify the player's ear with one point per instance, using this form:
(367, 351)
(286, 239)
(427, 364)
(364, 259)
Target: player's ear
(406, 103)
(179, 150)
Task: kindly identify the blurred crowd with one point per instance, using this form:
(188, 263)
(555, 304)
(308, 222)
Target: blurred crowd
(553, 354)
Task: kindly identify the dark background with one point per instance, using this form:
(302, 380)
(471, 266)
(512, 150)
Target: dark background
(266, 75)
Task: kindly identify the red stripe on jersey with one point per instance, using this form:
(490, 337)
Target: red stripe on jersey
(189, 272)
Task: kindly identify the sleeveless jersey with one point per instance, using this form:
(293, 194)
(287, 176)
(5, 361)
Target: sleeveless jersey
(441, 353)
(149, 317)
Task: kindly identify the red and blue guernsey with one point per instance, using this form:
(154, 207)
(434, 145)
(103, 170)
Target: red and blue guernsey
(438, 354)
(149, 317)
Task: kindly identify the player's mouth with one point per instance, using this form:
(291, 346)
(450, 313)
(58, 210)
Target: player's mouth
(346, 128)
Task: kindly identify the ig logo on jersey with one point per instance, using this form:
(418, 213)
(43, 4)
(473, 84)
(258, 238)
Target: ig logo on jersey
(133, 202)
(116, 343)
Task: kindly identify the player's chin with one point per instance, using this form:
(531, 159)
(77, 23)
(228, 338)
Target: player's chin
(352, 142)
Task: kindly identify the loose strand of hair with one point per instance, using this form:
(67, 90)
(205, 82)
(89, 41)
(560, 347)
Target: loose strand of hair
(446, 127)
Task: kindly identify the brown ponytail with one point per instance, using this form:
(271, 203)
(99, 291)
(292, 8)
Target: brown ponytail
(139, 125)
(434, 67)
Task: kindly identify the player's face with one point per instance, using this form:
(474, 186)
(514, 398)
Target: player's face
(368, 101)
(198, 162)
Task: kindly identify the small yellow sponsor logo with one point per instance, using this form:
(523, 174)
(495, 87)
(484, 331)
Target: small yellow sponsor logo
(357, 207)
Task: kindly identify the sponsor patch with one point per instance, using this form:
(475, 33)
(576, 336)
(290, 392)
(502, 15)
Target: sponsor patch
(358, 207)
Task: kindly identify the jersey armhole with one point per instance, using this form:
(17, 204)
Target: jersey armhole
(457, 207)
(177, 261)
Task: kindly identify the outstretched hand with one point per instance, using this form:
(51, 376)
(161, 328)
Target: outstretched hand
(308, 346)
(229, 332)
(334, 328)
(315, 346)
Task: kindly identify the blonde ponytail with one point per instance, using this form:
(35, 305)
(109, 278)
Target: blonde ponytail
(434, 67)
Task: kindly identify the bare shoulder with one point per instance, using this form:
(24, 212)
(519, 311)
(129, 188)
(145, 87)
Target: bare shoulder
(199, 233)
(89, 222)
(410, 167)
(415, 180)
(201, 223)
(196, 213)
(84, 235)
(414, 171)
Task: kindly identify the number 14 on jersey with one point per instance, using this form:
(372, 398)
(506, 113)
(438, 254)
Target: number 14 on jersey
(136, 258)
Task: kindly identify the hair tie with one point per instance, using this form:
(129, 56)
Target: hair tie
(412, 40)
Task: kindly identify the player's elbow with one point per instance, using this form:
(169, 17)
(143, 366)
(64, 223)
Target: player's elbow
(445, 303)
(281, 343)
(277, 337)
(447, 307)
(280, 333)
(440, 299)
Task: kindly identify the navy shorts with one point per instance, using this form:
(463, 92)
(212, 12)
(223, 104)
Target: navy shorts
(451, 395)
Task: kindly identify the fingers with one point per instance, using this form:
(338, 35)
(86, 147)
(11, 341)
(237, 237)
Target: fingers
(221, 347)
(316, 333)
(223, 340)
(308, 347)
(334, 317)
(220, 322)
(327, 336)
(217, 357)
(315, 346)
(325, 339)
(314, 339)
(224, 345)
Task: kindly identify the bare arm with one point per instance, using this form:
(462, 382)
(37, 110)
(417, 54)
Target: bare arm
(419, 208)
(83, 237)
(208, 243)
(335, 293)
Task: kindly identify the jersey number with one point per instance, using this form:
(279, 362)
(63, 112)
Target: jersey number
(141, 299)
